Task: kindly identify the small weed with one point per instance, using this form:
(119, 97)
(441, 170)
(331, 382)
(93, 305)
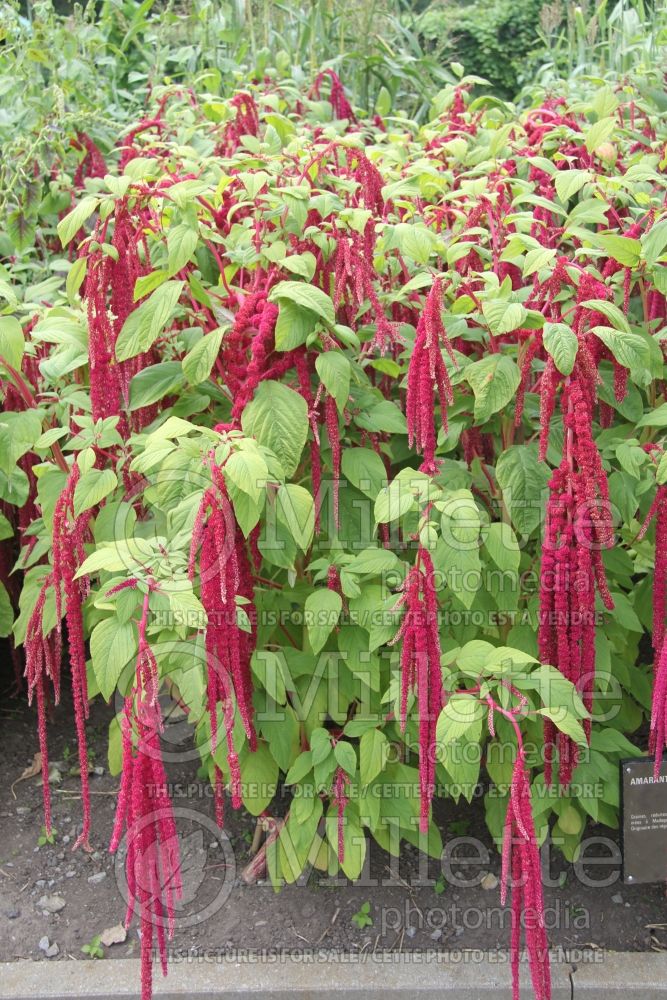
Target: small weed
(47, 838)
(93, 949)
(362, 918)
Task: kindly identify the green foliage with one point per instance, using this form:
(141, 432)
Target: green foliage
(216, 219)
(490, 40)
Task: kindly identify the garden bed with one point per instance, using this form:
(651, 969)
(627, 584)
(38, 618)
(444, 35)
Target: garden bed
(224, 916)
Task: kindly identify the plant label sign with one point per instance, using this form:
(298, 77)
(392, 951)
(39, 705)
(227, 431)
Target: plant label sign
(644, 816)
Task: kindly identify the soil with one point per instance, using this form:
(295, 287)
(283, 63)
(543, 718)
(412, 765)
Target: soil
(411, 906)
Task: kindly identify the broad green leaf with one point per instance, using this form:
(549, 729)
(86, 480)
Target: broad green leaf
(494, 381)
(322, 609)
(373, 750)
(247, 470)
(346, 757)
(12, 341)
(384, 417)
(623, 249)
(181, 244)
(71, 224)
(6, 613)
(198, 362)
(629, 349)
(502, 545)
(154, 383)
(463, 715)
(259, 777)
(296, 509)
(567, 724)
(503, 316)
(523, 480)
(113, 646)
(374, 561)
(561, 343)
(301, 263)
(93, 486)
(334, 371)
(654, 418)
(278, 418)
(365, 470)
(610, 310)
(599, 132)
(307, 296)
(145, 323)
(293, 326)
(569, 182)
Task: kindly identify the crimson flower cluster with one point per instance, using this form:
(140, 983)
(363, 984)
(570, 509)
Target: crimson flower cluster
(420, 669)
(225, 575)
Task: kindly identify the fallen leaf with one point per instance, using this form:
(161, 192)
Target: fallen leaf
(30, 771)
(113, 935)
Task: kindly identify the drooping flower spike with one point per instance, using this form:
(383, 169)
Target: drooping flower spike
(420, 668)
(144, 811)
(428, 379)
(224, 575)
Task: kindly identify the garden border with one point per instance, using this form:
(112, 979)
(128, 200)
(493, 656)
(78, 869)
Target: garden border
(637, 974)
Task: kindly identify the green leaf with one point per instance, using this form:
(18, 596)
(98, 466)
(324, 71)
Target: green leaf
(623, 249)
(71, 224)
(365, 470)
(502, 545)
(384, 418)
(568, 182)
(306, 296)
(181, 244)
(301, 263)
(346, 757)
(259, 777)
(148, 283)
(567, 724)
(654, 243)
(503, 316)
(93, 486)
(278, 418)
(75, 276)
(654, 418)
(494, 381)
(374, 561)
(145, 324)
(6, 613)
(629, 349)
(299, 768)
(6, 530)
(463, 715)
(611, 311)
(599, 132)
(322, 610)
(296, 509)
(354, 845)
(198, 363)
(523, 480)
(247, 470)
(373, 749)
(393, 501)
(334, 371)
(154, 383)
(21, 229)
(115, 747)
(561, 343)
(112, 647)
(294, 325)
(12, 341)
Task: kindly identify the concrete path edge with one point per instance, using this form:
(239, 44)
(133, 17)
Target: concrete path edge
(424, 976)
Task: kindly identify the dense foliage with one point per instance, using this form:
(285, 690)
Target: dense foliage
(346, 433)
